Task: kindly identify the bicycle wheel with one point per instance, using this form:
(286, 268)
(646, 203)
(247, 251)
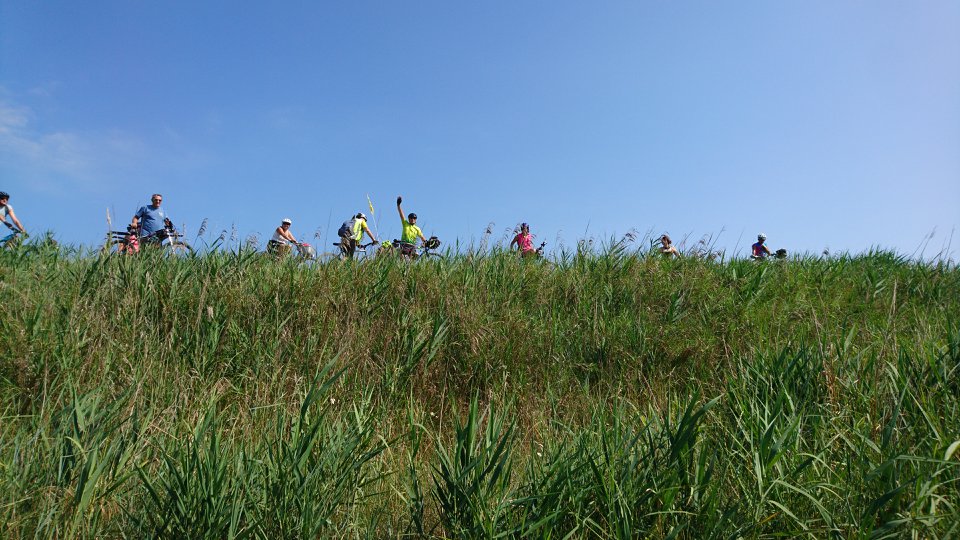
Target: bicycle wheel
(180, 249)
(327, 256)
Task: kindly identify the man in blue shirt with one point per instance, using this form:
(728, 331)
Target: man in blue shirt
(152, 218)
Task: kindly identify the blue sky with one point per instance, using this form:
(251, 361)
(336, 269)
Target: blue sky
(821, 123)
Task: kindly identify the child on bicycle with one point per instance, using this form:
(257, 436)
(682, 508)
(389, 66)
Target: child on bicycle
(524, 242)
(667, 249)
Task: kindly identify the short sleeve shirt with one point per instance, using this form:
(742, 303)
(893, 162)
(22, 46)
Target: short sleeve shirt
(5, 211)
(151, 219)
(525, 241)
(410, 233)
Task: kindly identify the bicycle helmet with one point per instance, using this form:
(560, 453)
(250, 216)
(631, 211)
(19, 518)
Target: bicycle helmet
(4, 195)
(761, 237)
(411, 215)
(361, 216)
(287, 220)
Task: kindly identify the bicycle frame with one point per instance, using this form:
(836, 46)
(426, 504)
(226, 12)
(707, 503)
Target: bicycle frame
(167, 238)
(6, 240)
(412, 251)
(128, 243)
(361, 249)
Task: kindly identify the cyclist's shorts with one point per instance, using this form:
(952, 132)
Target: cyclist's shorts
(348, 245)
(408, 249)
(278, 248)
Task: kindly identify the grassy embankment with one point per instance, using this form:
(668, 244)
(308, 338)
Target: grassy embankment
(608, 395)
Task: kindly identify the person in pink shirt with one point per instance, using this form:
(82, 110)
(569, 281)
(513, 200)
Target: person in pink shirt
(524, 241)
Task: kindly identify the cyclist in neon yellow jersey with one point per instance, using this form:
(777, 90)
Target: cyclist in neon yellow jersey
(408, 239)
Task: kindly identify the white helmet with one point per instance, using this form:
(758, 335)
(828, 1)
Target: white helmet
(286, 220)
(761, 237)
(361, 216)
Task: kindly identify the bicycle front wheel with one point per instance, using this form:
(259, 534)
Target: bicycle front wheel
(180, 249)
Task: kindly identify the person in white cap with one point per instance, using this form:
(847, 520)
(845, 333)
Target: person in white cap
(282, 238)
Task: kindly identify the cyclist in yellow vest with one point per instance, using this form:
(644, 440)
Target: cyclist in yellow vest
(352, 234)
(408, 238)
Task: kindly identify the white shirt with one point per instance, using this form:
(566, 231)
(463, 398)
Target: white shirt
(278, 239)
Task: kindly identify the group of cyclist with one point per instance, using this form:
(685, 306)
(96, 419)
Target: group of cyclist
(351, 235)
(758, 250)
(151, 222)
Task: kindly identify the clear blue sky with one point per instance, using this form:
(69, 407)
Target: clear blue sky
(822, 123)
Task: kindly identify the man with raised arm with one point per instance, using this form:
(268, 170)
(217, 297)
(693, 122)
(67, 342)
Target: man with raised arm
(408, 238)
(151, 219)
(7, 210)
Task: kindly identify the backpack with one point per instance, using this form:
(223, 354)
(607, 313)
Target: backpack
(346, 230)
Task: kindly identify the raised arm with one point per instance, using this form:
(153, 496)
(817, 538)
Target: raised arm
(400, 210)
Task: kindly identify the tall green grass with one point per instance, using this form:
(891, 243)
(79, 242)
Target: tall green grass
(604, 394)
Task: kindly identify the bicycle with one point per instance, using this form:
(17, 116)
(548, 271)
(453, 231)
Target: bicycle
(10, 239)
(411, 251)
(279, 250)
(537, 253)
(361, 249)
(305, 252)
(122, 242)
(169, 239)
(778, 254)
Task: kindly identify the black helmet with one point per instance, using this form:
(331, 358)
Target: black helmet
(411, 216)
(4, 195)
